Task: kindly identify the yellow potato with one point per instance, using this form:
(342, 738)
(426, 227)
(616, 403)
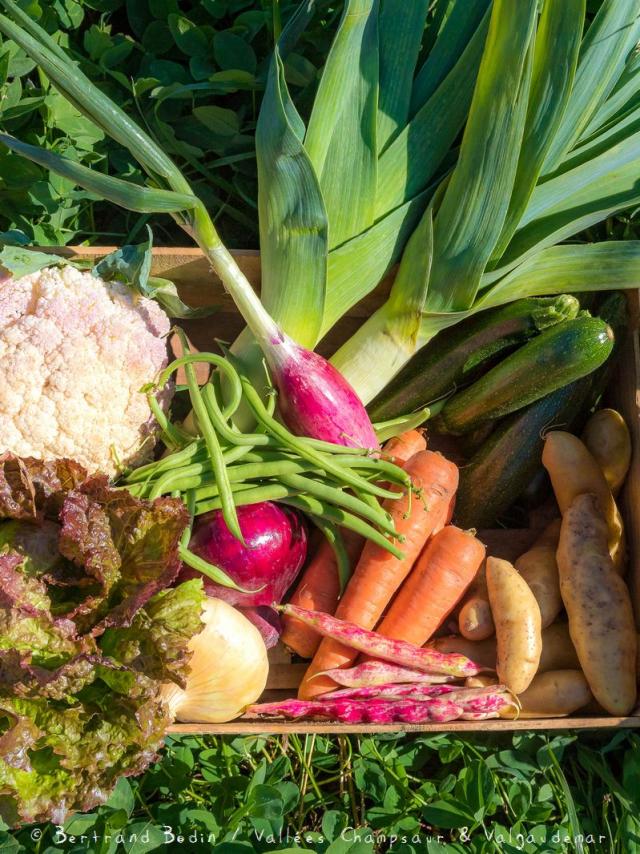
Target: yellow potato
(550, 534)
(539, 569)
(516, 615)
(598, 605)
(574, 471)
(606, 435)
(558, 652)
(554, 694)
(482, 652)
(475, 620)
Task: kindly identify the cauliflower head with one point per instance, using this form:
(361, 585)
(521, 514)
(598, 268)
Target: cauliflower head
(74, 353)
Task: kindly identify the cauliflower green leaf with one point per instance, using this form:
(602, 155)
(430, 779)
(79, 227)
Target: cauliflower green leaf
(131, 265)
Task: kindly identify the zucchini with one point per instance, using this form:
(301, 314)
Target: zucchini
(500, 471)
(613, 310)
(456, 356)
(555, 358)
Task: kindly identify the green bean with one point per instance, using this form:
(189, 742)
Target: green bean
(188, 361)
(191, 507)
(322, 461)
(251, 494)
(174, 459)
(331, 495)
(195, 477)
(171, 433)
(382, 468)
(213, 445)
(332, 448)
(233, 437)
(211, 571)
(336, 541)
(313, 507)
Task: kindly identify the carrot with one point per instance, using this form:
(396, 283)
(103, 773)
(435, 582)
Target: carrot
(319, 585)
(317, 590)
(379, 574)
(401, 448)
(437, 582)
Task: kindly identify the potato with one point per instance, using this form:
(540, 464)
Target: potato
(554, 694)
(516, 615)
(598, 605)
(475, 620)
(482, 652)
(574, 471)
(606, 435)
(550, 534)
(539, 569)
(558, 652)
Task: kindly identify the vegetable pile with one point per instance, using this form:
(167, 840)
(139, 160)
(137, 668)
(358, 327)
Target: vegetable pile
(272, 482)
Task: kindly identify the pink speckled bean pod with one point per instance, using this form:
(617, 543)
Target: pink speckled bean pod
(455, 693)
(353, 712)
(400, 652)
(381, 673)
(390, 692)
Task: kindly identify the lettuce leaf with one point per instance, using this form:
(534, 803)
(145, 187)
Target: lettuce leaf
(89, 631)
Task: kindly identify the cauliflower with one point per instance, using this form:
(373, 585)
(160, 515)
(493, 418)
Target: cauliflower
(74, 353)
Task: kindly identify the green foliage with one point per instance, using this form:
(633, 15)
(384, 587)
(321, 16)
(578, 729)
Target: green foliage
(527, 792)
(201, 67)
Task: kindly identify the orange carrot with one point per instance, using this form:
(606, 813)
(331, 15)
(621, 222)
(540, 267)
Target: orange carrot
(401, 448)
(319, 586)
(440, 577)
(318, 590)
(379, 574)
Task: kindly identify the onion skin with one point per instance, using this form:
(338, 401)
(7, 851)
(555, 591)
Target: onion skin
(227, 671)
(275, 550)
(315, 400)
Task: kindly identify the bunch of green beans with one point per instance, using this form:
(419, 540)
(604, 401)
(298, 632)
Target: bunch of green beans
(222, 468)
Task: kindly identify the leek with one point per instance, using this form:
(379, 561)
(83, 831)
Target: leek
(526, 178)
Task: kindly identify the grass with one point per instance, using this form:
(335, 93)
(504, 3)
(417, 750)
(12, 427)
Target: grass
(531, 792)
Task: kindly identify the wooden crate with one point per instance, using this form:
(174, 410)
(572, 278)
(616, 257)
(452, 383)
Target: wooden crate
(199, 286)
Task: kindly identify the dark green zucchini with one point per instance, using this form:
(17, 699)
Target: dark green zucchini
(457, 355)
(555, 358)
(613, 310)
(499, 472)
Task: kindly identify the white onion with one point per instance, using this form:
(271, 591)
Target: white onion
(228, 668)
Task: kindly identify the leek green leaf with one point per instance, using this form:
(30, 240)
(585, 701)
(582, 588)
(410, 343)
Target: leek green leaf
(356, 267)
(400, 36)
(341, 136)
(475, 204)
(554, 65)
(462, 22)
(609, 136)
(610, 265)
(575, 200)
(624, 96)
(123, 193)
(611, 36)
(410, 163)
(293, 222)
(391, 335)
(87, 98)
